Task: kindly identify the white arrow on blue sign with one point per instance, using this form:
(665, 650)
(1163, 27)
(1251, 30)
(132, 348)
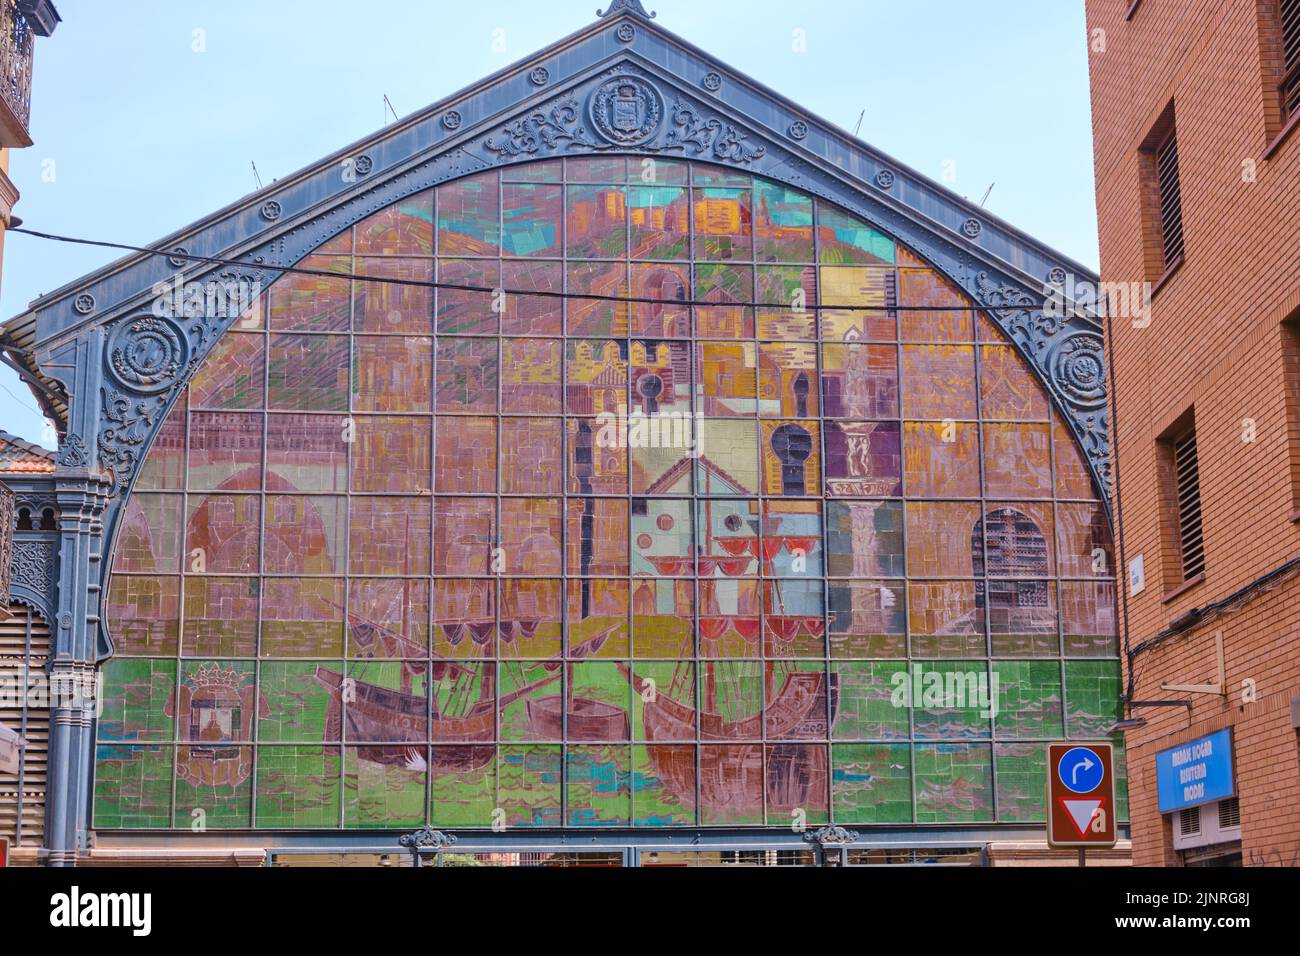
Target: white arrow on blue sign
(1080, 770)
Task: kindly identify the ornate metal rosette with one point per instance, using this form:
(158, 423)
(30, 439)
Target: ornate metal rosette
(971, 228)
(84, 304)
(626, 33)
(427, 837)
(798, 129)
(179, 257)
(271, 210)
(147, 353)
(1056, 276)
(363, 164)
(831, 835)
(451, 119)
(712, 82)
(885, 178)
(1078, 368)
(626, 110)
(540, 76)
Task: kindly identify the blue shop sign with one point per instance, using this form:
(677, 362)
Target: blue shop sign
(1199, 771)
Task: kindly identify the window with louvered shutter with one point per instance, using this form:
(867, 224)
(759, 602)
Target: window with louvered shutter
(24, 651)
(1171, 200)
(1191, 544)
(1229, 813)
(1289, 12)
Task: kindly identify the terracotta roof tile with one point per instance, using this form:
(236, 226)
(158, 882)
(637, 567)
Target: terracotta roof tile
(18, 456)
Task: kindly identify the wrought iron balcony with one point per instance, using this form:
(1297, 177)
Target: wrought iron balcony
(21, 21)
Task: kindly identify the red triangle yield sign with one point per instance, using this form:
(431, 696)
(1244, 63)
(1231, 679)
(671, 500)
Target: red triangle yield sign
(1081, 813)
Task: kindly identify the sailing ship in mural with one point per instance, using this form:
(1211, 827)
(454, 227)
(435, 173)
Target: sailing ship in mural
(795, 704)
(468, 710)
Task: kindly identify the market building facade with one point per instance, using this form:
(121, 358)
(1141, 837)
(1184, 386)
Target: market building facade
(610, 463)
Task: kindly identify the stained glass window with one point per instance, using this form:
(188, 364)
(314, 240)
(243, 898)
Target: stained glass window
(716, 557)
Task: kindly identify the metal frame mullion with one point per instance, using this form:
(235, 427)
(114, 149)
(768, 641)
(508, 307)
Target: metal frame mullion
(430, 690)
(984, 545)
(265, 306)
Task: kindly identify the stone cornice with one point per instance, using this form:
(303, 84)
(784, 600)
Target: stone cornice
(8, 198)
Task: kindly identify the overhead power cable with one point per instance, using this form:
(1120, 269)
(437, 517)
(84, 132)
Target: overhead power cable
(494, 290)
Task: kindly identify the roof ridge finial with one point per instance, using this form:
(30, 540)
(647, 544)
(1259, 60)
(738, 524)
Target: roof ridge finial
(626, 6)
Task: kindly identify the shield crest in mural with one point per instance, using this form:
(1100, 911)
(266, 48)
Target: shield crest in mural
(215, 708)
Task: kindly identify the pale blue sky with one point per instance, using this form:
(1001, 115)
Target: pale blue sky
(137, 134)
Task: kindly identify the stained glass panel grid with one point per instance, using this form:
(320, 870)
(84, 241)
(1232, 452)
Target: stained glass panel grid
(443, 577)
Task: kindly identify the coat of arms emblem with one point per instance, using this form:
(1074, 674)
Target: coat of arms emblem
(627, 110)
(217, 706)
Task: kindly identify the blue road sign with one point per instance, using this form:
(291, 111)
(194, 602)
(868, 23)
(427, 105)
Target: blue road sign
(1080, 770)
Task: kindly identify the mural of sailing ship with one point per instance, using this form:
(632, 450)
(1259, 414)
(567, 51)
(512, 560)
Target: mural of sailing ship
(800, 704)
(468, 714)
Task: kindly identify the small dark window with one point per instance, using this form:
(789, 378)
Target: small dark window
(1171, 200)
(1191, 543)
(1289, 13)
(1229, 813)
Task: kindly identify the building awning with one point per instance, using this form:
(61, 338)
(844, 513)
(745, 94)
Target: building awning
(11, 750)
(16, 338)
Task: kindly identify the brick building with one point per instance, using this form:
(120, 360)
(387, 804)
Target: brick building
(1195, 106)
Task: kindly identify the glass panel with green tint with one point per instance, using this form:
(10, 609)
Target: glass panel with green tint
(1022, 781)
(1029, 699)
(1092, 697)
(954, 783)
(133, 786)
(528, 784)
(874, 701)
(384, 786)
(212, 795)
(462, 786)
(871, 783)
(298, 787)
(598, 778)
(663, 785)
(139, 700)
(951, 699)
